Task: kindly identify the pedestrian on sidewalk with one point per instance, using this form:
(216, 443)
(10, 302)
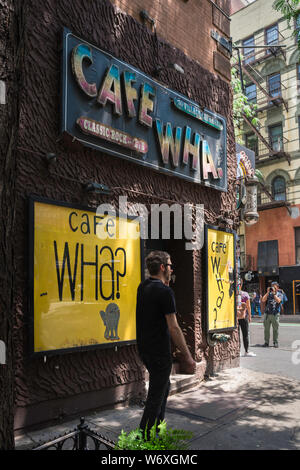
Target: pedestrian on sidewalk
(273, 300)
(255, 305)
(284, 300)
(244, 318)
(156, 325)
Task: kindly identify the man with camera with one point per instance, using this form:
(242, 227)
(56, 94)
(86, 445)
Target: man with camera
(272, 300)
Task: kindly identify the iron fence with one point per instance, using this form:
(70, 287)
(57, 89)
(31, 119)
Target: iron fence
(81, 438)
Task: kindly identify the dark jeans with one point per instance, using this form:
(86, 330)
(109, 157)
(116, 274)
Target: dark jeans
(159, 369)
(244, 326)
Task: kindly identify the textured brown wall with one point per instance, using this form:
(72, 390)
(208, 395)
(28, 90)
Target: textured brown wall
(61, 378)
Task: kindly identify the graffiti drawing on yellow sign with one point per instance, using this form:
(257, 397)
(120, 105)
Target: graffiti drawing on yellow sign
(220, 251)
(83, 285)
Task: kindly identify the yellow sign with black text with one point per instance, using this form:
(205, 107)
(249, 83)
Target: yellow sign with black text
(221, 276)
(84, 277)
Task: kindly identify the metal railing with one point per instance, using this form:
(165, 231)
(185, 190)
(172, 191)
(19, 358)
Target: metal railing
(262, 50)
(81, 438)
(263, 152)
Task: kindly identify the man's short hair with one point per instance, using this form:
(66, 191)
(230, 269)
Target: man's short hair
(274, 283)
(154, 261)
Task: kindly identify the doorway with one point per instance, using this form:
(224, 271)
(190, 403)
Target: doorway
(296, 296)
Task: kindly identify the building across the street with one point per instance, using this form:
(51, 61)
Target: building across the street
(118, 121)
(270, 69)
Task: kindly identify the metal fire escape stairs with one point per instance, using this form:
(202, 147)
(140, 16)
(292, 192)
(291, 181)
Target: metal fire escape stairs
(246, 67)
(249, 71)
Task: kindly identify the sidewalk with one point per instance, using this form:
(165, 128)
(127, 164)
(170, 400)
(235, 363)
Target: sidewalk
(238, 409)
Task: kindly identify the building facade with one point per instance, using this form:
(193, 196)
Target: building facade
(55, 166)
(271, 82)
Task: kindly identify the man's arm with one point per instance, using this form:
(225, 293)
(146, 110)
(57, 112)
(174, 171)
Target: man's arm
(179, 341)
(264, 299)
(277, 298)
(249, 309)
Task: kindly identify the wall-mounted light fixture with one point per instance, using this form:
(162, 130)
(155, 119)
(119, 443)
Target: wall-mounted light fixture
(224, 221)
(144, 15)
(97, 188)
(174, 66)
(51, 158)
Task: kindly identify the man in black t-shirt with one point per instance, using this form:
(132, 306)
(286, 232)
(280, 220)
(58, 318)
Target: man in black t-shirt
(156, 325)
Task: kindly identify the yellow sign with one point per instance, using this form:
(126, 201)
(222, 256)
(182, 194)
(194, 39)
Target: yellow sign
(84, 277)
(220, 272)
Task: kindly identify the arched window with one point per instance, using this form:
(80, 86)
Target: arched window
(279, 188)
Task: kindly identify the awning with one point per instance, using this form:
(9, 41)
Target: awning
(267, 258)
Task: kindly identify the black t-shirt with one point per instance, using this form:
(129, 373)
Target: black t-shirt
(154, 301)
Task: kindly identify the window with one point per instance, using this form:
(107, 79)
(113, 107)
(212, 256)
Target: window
(249, 54)
(274, 85)
(279, 188)
(272, 35)
(276, 137)
(250, 91)
(252, 142)
(297, 244)
(267, 258)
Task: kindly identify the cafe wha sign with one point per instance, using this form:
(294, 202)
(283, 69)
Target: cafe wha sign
(111, 106)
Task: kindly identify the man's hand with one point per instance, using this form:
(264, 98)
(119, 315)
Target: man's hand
(187, 365)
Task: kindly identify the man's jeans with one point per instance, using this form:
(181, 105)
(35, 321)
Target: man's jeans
(255, 309)
(273, 320)
(159, 368)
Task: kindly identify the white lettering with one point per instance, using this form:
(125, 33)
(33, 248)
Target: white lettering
(112, 460)
(2, 92)
(296, 354)
(2, 353)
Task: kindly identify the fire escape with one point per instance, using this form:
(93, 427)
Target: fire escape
(266, 93)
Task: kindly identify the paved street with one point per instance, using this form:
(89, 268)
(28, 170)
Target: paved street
(270, 360)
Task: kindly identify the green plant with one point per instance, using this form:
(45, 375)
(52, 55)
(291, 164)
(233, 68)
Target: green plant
(241, 106)
(290, 10)
(160, 438)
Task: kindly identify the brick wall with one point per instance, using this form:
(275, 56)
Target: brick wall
(268, 228)
(186, 25)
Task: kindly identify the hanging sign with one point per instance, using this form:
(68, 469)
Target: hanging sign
(84, 277)
(109, 105)
(220, 264)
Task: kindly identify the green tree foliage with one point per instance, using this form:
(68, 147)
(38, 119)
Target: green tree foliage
(288, 8)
